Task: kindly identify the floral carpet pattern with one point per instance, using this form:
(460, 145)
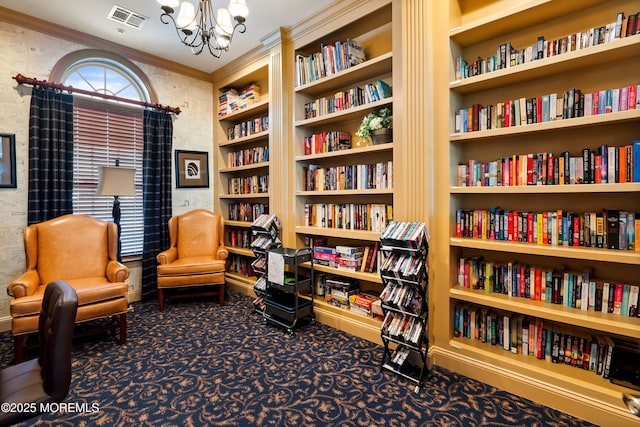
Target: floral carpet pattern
(199, 364)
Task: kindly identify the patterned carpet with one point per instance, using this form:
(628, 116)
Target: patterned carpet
(199, 364)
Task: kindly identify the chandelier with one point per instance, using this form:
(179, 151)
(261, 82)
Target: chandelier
(205, 27)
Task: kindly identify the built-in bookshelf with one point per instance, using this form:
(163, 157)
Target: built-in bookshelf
(343, 188)
(566, 63)
(242, 165)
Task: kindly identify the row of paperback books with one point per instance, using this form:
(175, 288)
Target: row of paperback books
(507, 56)
(327, 142)
(404, 328)
(331, 59)
(535, 338)
(350, 177)
(349, 258)
(403, 298)
(568, 288)
(346, 99)
(605, 165)
(348, 216)
(248, 184)
(249, 156)
(550, 107)
(268, 223)
(410, 235)
(403, 267)
(610, 229)
(249, 127)
(231, 101)
(247, 211)
(240, 265)
(264, 242)
(239, 238)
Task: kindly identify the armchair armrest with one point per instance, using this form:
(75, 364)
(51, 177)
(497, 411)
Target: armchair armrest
(117, 272)
(168, 256)
(24, 285)
(222, 253)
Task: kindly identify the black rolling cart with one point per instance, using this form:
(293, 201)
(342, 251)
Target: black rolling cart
(285, 304)
(266, 232)
(404, 300)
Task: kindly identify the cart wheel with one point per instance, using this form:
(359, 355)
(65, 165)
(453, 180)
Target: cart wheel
(417, 389)
(290, 331)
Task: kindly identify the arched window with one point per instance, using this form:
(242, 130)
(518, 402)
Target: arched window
(106, 133)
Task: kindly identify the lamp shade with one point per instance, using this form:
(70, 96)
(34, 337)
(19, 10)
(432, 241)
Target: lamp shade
(116, 181)
(238, 8)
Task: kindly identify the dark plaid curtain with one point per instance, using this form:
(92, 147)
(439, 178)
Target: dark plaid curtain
(50, 155)
(158, 136)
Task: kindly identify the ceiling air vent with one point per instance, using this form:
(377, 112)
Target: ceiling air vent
(127, 17)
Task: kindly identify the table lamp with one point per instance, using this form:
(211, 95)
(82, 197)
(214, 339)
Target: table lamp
(117, 181)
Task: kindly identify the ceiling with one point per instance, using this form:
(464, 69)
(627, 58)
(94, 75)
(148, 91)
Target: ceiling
(158, 39)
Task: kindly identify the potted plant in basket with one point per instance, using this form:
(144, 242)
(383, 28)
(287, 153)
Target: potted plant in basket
(377, 125)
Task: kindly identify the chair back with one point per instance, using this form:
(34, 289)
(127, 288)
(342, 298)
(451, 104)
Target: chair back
(70, 247)
(198, 233)
(56, 322)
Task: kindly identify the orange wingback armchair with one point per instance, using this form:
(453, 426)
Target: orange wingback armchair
(80, 250)
(196, 257)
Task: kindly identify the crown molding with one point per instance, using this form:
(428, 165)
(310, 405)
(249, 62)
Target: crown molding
(58, 31)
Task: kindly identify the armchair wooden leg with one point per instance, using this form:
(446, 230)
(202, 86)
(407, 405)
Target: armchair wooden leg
(161, 299)
(18, 349)
(122, 321)
(221, 291)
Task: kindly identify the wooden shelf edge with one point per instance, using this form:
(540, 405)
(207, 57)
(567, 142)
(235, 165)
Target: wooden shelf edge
(351, 323)
(351, 152)
(367, 277)
(554, 125)
(253, 166)
(259, 106)
(597, 321)
(590, 254)
(341, 233)
(232, 223)
(245, 139)
(592, 55)
(240, 284)
(345, 192)
(240, 251)
(245, 196)
(375, 64)
(509, 19)
(599, 404)
(314, 121)
(628, 187)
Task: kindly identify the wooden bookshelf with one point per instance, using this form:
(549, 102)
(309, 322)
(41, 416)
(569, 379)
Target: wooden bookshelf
(372, 25)
(255, 71)
(476, 29)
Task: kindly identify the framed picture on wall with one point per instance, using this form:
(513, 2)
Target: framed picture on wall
(192, 169)
(7, 160)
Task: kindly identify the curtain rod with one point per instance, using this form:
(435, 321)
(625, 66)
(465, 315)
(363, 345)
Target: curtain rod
(45, 84)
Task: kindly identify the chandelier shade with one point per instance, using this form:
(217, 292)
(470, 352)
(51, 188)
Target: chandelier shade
(201, 26)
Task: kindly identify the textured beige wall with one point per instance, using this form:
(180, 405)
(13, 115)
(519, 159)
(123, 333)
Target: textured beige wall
(34, 54)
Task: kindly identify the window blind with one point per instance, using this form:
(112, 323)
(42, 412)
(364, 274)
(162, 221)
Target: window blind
(103, 134)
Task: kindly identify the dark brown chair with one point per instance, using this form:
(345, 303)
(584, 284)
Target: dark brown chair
(45, 379)
(195, 262)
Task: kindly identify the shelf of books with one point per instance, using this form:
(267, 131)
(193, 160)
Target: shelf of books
(343, 185)
(242, 166)
(544, 200)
